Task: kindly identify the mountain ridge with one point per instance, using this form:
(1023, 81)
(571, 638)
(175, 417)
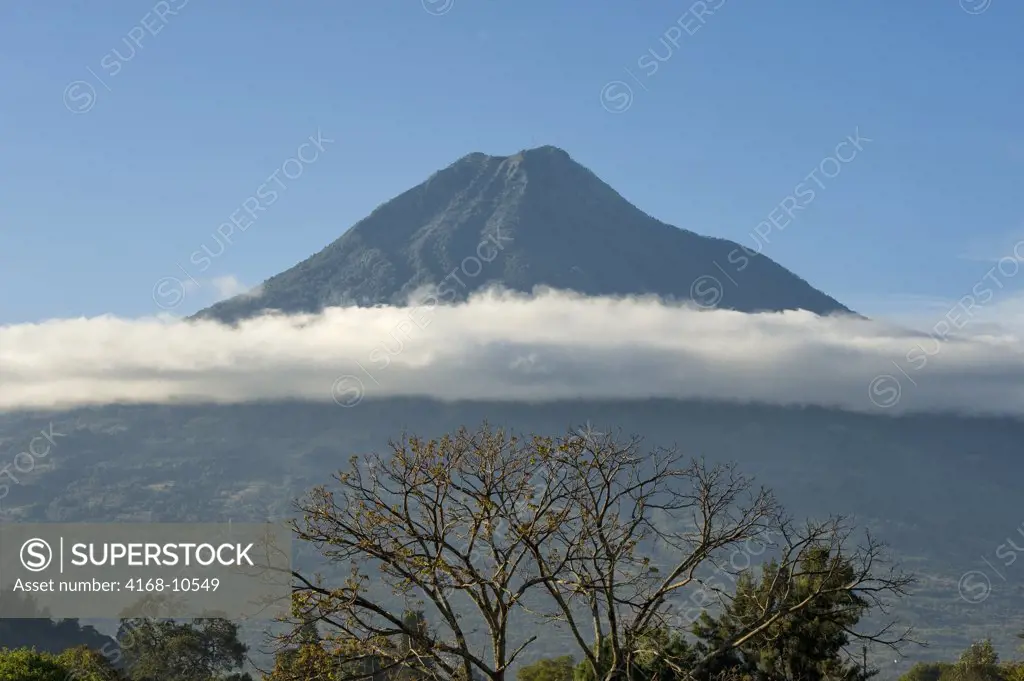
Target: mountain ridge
(534, 218)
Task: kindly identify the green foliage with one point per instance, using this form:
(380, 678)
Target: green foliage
(807, 645)
(980, 662)
(309, 656)
(549, 669)
(980, 655)
(1013, 671)
(30, 665)
(927, 671)
(200, 650)
(412, 645)
(84, 664)
(658, 656)
(75, 664)
(306, 661)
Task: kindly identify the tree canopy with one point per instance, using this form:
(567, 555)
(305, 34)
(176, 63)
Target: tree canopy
(597, 536)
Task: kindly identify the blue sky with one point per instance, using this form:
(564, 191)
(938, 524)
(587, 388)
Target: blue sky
(117, 166)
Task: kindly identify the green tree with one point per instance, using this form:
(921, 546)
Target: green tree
(74, 664)
(288, 657)
(305, 661)
(84, 664)
(801, 644)
(200, 650)
(306, 654)
(415, 662)
(980, 662)
(661, 655)
(549, 669)
(927, 671)
(30, 665)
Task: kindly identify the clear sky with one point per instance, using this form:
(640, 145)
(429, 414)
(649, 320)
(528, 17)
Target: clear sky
(131, 130)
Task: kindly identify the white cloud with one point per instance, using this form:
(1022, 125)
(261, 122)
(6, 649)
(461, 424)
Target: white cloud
(499, 346)
(229, 286)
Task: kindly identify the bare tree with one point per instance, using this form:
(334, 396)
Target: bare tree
(694, 514)
(478, 525)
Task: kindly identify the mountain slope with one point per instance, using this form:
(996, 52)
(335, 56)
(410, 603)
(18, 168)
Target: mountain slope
(536, 218)
(933, 486)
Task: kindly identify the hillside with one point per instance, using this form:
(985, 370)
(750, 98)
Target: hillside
(928, 485)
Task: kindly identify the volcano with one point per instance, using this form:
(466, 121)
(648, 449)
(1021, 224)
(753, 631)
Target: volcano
(534, 219)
